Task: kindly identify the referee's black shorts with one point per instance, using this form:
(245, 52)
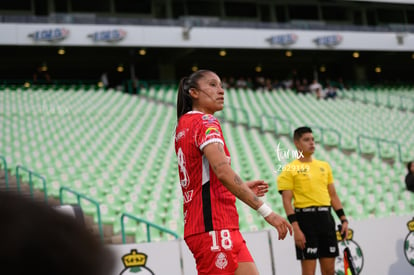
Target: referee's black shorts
(318, 226)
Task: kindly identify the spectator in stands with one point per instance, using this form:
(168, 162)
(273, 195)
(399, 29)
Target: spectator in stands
(105, 79)
(41, 75)
(232, 82)
(319, 93)
(38, 239)
(341, 84)
(309, 182)
(409, 178)
(250, 84)
(268, 85)
(314, 86)
(241, 83)
(225, 84)
(278, 85)
(259, 83)
(330, 92)
(209, 184)
(302, 87)
(288, 84)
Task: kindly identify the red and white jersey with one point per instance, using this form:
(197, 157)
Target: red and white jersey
(208, 205)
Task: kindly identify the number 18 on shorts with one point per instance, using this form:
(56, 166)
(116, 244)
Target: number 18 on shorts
(218, 252)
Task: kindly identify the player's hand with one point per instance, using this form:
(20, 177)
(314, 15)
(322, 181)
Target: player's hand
(259, 187)
(300, 239)
(282, 226)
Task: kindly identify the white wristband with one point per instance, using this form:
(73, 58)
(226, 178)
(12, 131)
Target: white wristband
(264, 210)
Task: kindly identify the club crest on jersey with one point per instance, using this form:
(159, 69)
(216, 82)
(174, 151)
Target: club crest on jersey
(221, 260)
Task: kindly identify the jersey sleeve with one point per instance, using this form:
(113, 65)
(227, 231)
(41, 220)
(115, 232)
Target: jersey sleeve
(330, 175)
(208, 131)
(285, 181)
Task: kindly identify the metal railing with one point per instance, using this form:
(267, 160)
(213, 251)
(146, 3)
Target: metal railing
(31, 175)
(275, 120)
(6, 176)
(80, 196)
(235, 117)
(392, 100)
(378, 142)
(323, 134)
(148, 226)
(406, 99)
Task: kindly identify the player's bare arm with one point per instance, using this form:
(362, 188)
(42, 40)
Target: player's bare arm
(214, 152)
(218, 160)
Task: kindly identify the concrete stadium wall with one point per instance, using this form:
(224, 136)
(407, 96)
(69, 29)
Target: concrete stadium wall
(386, 244)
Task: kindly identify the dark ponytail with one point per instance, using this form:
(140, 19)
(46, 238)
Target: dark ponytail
(409, 167)
(184, 100)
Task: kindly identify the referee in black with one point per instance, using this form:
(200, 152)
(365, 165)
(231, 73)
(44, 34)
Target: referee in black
(309, 182)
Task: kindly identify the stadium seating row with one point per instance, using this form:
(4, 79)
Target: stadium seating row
(118, 149)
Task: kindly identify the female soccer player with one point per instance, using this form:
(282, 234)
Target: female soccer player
(209, 184)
